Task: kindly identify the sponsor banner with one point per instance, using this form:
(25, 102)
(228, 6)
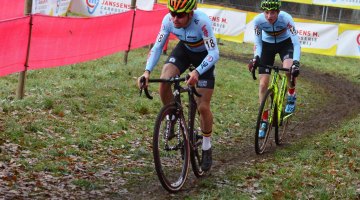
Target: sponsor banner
(226, 23)
(51, 7)
(349, 41)
(107, 7)
(300, 1)
(313, 37)
(249, 30)
(317, 36)
(352, 4)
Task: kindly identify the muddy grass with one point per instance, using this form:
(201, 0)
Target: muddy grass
(343, 104)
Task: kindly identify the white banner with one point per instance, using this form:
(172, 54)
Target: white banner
(50, 7)
(340, 3)
(249, 32)
(317, 36)
(349, 43)
(106, 7)
(226, 22)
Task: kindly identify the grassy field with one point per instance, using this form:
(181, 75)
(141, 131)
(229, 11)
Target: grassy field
(83, 131)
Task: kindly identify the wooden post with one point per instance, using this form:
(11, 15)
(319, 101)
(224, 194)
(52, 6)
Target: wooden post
(22, 75)
(132, 7)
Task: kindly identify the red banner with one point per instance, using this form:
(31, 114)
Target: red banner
(58, 41)
(14, 37)
(12, 9)
(147, 26)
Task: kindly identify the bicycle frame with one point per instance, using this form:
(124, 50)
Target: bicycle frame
(278, 86)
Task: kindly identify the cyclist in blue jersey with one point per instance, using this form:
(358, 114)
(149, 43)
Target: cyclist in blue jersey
(198, 47)
(275, 33)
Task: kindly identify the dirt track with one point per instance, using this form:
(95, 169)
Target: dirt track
(344, 104)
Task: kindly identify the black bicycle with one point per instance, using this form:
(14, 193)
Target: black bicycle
(177, 139)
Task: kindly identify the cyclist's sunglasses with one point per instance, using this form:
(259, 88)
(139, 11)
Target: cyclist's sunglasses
(178, 15)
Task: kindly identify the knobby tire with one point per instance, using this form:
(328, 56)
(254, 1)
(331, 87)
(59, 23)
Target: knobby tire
(266, 104)
(195, 137)
(281, 127)
(171, 166)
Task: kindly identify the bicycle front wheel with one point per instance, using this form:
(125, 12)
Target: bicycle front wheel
(281, 128)
(195, 136)
(171, 148)
(264, 122)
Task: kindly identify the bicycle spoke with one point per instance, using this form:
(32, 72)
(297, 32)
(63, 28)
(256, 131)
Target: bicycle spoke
(281, 133)
(195, 137)
(171, 152)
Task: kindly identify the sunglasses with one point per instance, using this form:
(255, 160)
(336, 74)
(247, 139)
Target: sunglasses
(178, 15)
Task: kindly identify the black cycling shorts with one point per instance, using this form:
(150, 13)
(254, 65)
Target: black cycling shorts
(183, 59)
(269, 50)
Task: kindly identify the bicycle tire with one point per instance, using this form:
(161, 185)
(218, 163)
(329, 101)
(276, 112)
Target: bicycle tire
(266, 104)
(195, 137)
(171, 156)
(281, 128)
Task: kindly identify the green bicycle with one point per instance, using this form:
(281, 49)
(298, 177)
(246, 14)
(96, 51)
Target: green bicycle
(272, 108)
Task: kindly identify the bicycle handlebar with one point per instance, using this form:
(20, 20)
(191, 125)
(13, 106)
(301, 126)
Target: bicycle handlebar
(276, 68)
(142, 87)
(168, 80)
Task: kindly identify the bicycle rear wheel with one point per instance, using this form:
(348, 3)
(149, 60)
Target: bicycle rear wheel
(171, 150)
(281, 128)
(265, 106)
(195, 137)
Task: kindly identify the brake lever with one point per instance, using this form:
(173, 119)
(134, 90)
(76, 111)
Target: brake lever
(253, 73)
(142, 82)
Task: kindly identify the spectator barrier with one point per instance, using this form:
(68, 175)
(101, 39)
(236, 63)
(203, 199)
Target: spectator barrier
(12, 9)
(14, 37)
(104, 7)
(57, 41)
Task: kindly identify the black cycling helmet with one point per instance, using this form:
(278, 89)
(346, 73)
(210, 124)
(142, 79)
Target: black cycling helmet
(270, 4)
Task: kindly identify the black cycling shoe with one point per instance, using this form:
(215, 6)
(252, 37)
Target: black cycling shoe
(206, 160)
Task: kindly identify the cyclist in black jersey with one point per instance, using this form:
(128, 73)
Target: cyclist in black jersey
(197, 47)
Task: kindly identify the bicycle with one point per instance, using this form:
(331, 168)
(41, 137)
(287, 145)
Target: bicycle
(176, 141)
(272, 107)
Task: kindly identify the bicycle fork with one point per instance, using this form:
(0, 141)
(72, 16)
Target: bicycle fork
(280, 100)
(275, 98)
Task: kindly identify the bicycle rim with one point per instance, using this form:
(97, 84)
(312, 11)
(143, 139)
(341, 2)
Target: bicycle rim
(266, 105)
(171, 156)
(195, 136)
(282, 127)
